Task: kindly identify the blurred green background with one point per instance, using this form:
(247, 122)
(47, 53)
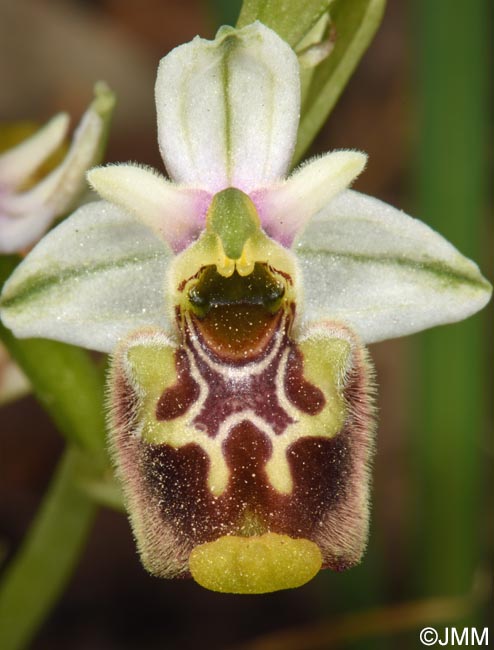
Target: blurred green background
(419, 104)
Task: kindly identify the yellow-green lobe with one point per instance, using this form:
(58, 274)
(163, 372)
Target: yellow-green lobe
(254, 565)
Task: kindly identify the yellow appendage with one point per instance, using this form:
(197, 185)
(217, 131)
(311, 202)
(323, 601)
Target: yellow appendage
(254, 565)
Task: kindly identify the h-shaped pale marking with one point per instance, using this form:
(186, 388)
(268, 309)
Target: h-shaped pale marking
(150, 367)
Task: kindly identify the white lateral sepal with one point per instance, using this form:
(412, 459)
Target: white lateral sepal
(382, 272)
(96, 277)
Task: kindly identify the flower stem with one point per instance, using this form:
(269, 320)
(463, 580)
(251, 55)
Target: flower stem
(37, 576)
(70, 387)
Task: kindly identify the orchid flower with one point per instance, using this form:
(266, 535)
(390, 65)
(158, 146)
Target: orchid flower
(26, 214)
(236, 301)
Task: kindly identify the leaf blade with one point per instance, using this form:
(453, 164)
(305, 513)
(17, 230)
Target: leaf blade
(355, 24)
(290, 19)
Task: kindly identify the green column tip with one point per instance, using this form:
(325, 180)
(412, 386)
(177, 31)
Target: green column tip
(233, 217)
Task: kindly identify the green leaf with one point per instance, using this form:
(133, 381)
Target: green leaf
(44, 564)
(314, 48)
(65, 380)
(453, 406)
(355, 23)
(291, 19)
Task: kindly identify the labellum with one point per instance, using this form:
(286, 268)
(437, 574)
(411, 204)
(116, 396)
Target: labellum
(243, 445)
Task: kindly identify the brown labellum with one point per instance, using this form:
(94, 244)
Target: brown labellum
(242, 428)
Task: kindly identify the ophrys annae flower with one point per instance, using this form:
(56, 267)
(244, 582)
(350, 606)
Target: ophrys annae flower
(237, 303)
(26, 212)
(35, 192)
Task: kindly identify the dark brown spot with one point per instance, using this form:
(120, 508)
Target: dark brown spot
(177, 480)
(176, 400)
(301, 393)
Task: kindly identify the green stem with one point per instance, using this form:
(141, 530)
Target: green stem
(70, 387)
(453, 69)
(43, 566)
(354, 591)
(366, 625)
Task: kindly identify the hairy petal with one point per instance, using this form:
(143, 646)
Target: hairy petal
(382, 272)
(176, 214)
(228, 109)
(285, 208)
(90, 281)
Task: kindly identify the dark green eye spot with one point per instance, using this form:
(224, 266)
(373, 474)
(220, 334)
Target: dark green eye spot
(259, 288)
